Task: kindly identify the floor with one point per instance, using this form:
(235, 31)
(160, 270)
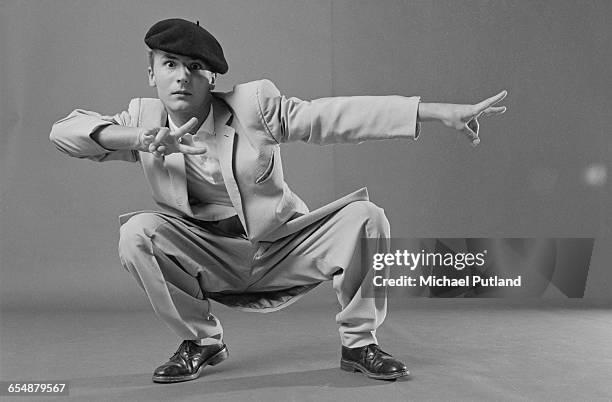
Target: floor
(456, 349)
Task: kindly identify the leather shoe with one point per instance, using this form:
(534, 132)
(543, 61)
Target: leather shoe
(373, 362)
(188, 362)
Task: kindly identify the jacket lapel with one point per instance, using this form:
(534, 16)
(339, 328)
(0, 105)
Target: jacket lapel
(225, 135)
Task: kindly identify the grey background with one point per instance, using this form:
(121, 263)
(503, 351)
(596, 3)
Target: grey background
(58, 218)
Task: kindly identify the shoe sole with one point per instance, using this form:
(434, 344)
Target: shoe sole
(353, 367)
(211, 361)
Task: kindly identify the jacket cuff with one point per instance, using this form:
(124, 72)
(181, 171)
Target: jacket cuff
(417, 129)
(407, 108)
(413, 116)
(74, 135)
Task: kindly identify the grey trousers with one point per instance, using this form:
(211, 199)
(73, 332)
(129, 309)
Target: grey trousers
(179, 262)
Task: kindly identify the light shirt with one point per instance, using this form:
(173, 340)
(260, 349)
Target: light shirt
(205, 185)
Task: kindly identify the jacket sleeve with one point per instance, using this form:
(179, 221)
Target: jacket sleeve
(352, 119)
(72, 136)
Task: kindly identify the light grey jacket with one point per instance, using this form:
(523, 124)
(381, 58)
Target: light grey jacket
(250, 123)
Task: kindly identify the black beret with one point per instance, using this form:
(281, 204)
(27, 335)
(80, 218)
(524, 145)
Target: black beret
(185, 38)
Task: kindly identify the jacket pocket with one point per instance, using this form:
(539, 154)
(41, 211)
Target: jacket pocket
(267, 172)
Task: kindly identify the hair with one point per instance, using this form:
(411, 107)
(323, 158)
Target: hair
(151, 57)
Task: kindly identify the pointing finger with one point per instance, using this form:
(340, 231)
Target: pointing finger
(191, 150)
(185, 128)
(161, 135)
(493, 111)
(491, 101)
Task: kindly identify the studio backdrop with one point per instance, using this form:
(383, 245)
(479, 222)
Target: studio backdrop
(539, 172)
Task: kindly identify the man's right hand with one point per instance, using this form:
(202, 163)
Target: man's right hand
(161, 141)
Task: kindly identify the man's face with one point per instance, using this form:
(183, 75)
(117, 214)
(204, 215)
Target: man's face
(182, 82)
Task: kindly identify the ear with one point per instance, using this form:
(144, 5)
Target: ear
(151, 76)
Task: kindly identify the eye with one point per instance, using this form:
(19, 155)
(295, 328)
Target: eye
(170, 64)
(196, 66)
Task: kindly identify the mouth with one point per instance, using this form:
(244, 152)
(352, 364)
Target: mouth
(182, 92)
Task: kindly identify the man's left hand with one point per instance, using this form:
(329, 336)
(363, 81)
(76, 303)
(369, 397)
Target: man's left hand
(463, 118)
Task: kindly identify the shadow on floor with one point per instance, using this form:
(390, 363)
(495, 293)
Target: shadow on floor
(141, 384)
(329, 377)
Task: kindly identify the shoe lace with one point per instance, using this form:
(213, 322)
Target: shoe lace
(183, 347)
(375, 349)
(375, 355)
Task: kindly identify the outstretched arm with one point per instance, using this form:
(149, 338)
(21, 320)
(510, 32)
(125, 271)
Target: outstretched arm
(85, 134)
(158, 140)
(363, 118)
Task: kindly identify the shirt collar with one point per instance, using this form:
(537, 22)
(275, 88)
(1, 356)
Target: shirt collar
(207, 128)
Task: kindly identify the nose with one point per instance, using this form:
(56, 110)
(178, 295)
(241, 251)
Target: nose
(183, 75)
